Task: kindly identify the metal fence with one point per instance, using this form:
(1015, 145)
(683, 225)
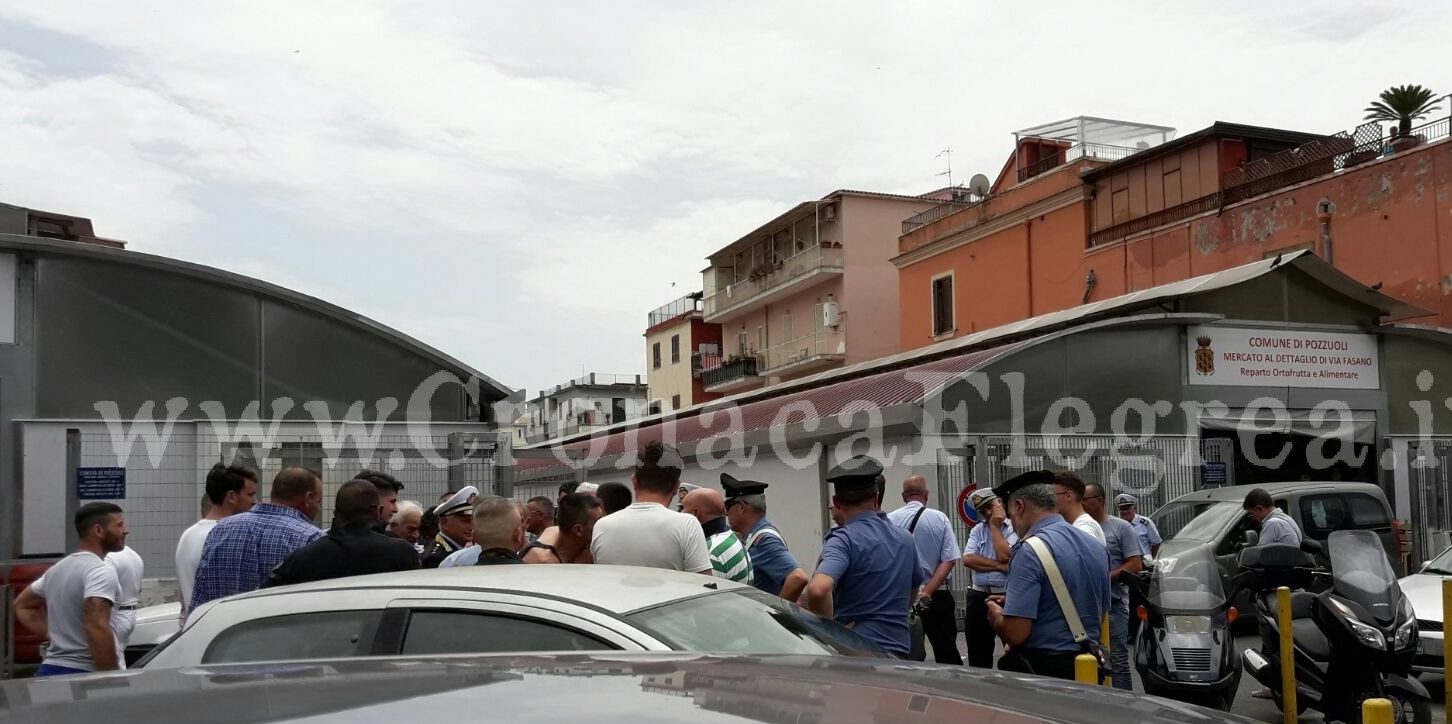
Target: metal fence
(165, 480)
(1430, 472)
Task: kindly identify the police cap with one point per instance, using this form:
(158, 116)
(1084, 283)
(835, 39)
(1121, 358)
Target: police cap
(461, 502)
(1032, 477)
(1124, 500)
(737, 488)
(857, 473)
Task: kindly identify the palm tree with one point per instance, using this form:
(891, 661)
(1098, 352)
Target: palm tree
(1402, 104)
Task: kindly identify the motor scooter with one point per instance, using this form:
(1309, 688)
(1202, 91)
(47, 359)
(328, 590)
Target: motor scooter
(1184, 649)
(1353, 641)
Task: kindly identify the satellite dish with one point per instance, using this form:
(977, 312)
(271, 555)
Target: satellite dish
(978, 185)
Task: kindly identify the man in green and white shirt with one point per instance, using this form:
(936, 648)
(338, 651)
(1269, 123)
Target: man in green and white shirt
(729, 559)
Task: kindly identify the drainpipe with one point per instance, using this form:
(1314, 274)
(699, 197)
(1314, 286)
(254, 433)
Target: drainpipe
(1089, 282)
(1324, 209)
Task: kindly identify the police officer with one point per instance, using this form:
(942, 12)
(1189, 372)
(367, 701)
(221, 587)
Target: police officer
(987, 552)
(869, 573)
(1148, 532)
(1031, 620)
(456, 526)
(775, 569)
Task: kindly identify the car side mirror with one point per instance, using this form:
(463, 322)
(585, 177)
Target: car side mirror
(1251, 539)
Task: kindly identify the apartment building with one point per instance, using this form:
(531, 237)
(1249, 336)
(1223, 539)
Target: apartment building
(584, 405)
(677, 339)
(809, 290)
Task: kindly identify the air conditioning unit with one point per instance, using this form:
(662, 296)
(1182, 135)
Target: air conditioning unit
(831, 315)
(829, 212)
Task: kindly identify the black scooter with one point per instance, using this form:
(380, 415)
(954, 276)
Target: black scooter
(1185, 650)
(1353, 641)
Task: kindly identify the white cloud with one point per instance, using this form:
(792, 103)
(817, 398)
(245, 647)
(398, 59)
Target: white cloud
(542, 172)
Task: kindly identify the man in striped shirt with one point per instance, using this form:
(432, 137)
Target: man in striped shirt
(729, 559)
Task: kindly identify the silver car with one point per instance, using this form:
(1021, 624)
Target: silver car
(1424, 591)
(497, 609)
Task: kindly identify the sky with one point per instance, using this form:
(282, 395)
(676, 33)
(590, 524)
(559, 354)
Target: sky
(519, 183)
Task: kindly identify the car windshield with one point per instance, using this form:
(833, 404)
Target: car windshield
(1200, 520)
(1187, 581)
(749, 621)
(1441, 565)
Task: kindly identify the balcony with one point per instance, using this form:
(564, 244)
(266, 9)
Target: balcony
(816, 351)
(774, 281)
(736, 373)
(685, 305)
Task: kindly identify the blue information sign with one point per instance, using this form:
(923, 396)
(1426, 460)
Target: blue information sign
(100, 483)
(1213, 474)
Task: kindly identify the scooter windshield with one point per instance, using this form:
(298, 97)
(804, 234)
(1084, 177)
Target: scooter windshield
(1362, 574)
(1188, 581)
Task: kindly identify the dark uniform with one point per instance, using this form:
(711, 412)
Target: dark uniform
(445, 546)
(1050, 648)
(873, 564)
(352, 550)
(497, 556)
(771, 562)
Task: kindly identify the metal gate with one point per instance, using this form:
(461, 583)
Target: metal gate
(1430, 475)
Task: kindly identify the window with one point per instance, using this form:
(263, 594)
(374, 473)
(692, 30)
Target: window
(749, 622)
(675, 402)
(788, 333)
(943, 305)
(461, 632)
(325, 635)
(1322, 514)
(675, 349)
(761, 337)
(655, 356)
(653, 408)
(741, 344)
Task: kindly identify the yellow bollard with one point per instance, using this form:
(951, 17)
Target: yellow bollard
(1104, 639)
(1288, 655)
(1377, 711)
(1086, 668)
(1446, 640)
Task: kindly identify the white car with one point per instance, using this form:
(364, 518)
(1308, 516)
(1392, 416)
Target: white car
(498, 609)
(1424, 590)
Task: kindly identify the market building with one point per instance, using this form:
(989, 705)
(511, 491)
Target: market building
(1281, 369)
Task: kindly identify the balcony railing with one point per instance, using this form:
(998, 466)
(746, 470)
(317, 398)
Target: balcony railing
(596, 380)
(733, 370)
(826, 344)
(774, 275)
(688, 303)
(1098, 151)
(941, 211)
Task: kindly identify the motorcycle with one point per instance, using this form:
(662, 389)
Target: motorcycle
(1185, 649)
(1354, 641)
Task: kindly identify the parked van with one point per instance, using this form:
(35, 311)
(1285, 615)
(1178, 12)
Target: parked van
(1216, 516)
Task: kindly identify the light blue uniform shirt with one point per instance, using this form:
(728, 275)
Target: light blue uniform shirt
(462, 557)
(933, 537)
(874, 567)
(1149, 534)
(1085, 568)
(1123, 543)
(771, 562)
(980, 543)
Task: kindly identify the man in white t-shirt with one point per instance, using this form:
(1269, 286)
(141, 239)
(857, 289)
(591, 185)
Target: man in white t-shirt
(648, 533)
(70, 606)
(130, 569)
(1069, 499)
(231, 489)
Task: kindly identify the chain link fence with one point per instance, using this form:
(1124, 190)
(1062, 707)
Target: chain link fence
(165, 480)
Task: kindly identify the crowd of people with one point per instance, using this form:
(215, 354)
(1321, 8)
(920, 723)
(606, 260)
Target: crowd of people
(1045, 557)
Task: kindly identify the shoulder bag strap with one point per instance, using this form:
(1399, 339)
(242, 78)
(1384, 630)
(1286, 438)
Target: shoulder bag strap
(767, 531)
(914, 525)
(1061, 590)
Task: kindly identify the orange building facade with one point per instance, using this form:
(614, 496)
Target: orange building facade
(1089, 229)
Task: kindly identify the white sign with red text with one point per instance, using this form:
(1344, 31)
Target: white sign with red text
(1282, 358)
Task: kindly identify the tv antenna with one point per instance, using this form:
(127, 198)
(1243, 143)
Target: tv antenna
(948, 154)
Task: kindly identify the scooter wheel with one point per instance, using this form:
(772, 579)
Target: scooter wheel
(1300, 704)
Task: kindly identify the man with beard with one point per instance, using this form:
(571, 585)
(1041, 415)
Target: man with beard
(71, 604)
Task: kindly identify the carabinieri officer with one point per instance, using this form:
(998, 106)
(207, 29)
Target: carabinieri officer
(776, 569)
(869, 572)
(1031, 620)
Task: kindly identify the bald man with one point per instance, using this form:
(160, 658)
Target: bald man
(729, 559)
(937, 552)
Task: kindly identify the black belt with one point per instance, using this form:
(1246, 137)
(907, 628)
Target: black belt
(990, 590)
(128, 607)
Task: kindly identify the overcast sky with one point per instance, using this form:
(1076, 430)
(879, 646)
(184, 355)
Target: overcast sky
(519, 183)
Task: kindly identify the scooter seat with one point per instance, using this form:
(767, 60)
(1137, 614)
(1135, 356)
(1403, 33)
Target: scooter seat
(1310, 639)
(1300, 604)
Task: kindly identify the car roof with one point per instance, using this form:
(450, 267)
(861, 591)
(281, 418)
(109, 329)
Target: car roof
(617, 589)
(1237, 492)
(614, 687)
